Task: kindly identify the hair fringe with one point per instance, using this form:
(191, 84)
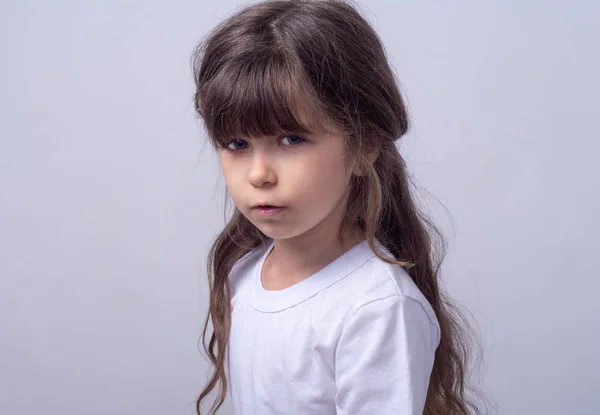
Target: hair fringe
(294, 71)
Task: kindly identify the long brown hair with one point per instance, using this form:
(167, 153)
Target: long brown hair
(252, 73)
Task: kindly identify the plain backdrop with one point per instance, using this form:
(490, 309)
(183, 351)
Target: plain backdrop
(109, 195)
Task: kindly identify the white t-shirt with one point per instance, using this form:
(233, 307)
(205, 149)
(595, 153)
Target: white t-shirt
(357, 337)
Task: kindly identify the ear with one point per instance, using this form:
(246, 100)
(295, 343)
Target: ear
(370, 154)
(373, 153)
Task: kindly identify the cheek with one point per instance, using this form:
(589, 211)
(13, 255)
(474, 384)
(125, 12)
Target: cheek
(224, 164)
(332, 170)
(333, 185)
(323, 180)
(228, 168)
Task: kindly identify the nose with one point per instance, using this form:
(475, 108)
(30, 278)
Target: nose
(261, 171)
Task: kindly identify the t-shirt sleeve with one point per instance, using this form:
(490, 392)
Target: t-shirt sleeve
(384, 358)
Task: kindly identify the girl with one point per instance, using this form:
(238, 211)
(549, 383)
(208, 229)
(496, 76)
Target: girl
(324, 293)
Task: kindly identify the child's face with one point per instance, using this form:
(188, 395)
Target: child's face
(305, 178)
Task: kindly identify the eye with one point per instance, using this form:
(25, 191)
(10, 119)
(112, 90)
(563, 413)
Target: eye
(236, 145)
(292, 140)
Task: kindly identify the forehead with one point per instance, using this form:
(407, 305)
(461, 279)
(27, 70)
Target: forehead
(293, 118)
(306, 123)
(266, 98)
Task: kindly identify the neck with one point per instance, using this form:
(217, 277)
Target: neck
(297, 258)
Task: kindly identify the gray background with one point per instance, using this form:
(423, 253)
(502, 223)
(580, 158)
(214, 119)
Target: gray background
(109, 197)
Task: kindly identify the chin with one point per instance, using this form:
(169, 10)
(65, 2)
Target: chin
(277, 231)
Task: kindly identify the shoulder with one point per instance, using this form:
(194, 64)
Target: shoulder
(378, 284)
(389, 335)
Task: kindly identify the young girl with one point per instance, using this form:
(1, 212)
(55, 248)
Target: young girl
(324, 294)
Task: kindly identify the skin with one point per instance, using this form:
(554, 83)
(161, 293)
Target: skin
(308, 176)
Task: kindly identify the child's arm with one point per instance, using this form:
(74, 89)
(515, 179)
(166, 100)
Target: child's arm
(384, 358)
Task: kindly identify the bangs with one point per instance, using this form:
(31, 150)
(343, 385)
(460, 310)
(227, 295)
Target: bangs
(258, 97)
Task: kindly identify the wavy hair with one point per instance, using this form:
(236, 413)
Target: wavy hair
(253, 74)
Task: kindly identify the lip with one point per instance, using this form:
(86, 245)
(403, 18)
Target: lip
(267, 211)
